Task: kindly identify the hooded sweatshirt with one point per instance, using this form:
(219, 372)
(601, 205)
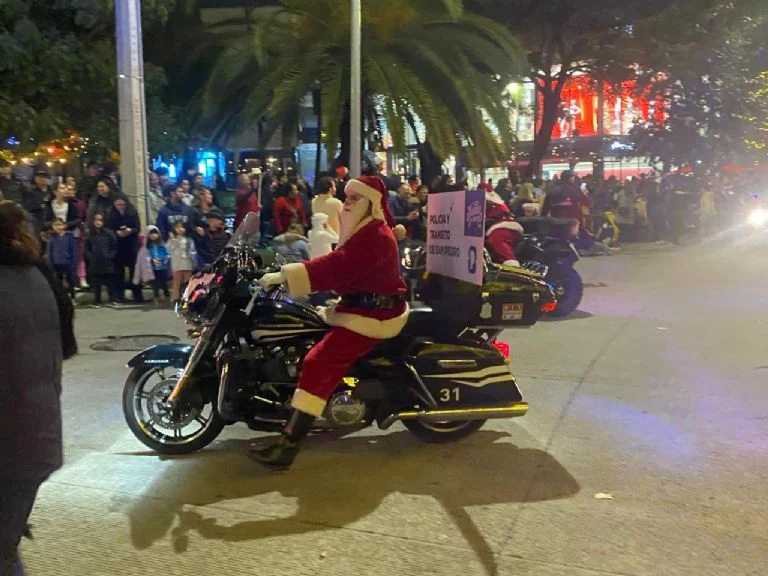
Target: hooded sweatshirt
(170, 214)
(321, 239)
(145, 265)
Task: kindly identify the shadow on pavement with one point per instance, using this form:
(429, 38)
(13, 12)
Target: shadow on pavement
(575, 315)
(339, 482)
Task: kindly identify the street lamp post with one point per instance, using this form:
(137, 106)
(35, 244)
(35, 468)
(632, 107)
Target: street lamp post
(355, 93)
(132, 110)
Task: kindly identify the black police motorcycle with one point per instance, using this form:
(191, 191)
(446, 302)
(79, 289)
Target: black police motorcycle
(440, 379)
(546, 248)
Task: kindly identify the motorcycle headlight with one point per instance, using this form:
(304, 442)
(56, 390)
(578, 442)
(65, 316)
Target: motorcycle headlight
(758, 218)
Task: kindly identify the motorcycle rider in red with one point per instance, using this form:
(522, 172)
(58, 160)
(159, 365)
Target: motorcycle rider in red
(502, 232)
(365, 271)
(566, 200)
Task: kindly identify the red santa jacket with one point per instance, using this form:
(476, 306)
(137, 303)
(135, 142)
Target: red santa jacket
(368, 262)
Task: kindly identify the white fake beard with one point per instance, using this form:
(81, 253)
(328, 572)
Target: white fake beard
(350, 219)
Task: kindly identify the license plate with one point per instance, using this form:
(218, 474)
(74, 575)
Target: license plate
(512, 312)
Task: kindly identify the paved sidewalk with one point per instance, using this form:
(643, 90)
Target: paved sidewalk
(653, 395)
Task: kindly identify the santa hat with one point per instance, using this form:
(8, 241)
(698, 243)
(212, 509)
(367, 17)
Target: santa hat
(373, 188)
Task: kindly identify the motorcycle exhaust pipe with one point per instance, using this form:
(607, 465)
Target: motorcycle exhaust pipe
(511, 411)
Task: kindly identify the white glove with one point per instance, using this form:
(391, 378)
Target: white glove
(271, 279)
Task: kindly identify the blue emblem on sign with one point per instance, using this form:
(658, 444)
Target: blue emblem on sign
(474, 213)
(472, 260)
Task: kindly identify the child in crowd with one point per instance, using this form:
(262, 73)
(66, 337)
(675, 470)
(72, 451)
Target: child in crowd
(183, 258)
(152, 264)
(100, 253)
(292, 244)
(322, 237)
(215, 238)
(61, 254)
(79, 233)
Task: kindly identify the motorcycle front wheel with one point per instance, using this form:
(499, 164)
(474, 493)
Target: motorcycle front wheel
(187, 430)
(569, 290)
(442, 432)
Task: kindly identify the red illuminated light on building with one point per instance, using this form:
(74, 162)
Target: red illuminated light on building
(623, 107)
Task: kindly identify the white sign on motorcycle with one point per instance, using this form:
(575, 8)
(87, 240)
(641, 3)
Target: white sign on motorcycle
(455, 234)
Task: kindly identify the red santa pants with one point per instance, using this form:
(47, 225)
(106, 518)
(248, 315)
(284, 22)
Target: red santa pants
(501, 243)
(325, 366)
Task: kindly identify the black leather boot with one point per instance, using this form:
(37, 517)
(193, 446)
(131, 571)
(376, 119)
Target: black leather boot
(279, 455)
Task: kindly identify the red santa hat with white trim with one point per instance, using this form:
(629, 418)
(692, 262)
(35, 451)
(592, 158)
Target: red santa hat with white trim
(373, 188)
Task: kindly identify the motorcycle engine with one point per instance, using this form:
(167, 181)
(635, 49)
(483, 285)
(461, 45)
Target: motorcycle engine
(343, 410)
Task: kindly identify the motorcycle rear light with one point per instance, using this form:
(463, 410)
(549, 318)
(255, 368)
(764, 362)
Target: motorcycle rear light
(549, 307)
(502, 347)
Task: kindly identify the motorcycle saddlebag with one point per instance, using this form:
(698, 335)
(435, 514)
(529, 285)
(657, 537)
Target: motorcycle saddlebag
(461, 375)
(508, 298)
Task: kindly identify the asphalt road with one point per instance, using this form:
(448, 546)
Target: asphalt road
(653, 396)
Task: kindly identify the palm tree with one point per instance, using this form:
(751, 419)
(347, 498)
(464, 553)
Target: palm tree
(425, 60)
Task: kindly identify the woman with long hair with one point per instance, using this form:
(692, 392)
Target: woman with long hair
(35, 336)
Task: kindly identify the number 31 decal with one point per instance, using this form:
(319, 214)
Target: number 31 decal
(449, 394)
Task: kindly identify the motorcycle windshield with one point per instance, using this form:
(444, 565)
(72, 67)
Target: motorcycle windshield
(247, 234)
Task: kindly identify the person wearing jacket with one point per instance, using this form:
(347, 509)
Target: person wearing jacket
(292, 244)
(100, 252)
(215, 238)
(289, 209)
(104, 199)
(61, 255)
(365, 270)
(36, 335)
(124, 222)
(566, 200)
(246, 198)
(10, 187)
(35, 199)
(152, 264)
(62, 207)
(321, 237)
(173, 212)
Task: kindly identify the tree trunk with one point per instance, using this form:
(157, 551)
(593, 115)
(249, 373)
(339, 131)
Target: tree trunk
(343, 158)
(431, 163)
(431, 166)
(551, 104)
(316, 96)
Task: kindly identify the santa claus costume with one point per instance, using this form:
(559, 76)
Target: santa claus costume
(502, 232)
(365, 271)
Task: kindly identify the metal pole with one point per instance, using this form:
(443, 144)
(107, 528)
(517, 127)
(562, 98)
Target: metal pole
(355, 93)
(132, 112)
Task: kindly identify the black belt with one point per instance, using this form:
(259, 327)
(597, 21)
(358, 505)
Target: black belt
(370, 301)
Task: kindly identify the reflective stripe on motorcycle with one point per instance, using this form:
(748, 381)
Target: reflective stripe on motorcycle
(485, 372)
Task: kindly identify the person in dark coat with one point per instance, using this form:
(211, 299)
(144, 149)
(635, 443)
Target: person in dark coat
(100, 253)
(10, 187)
(124, 222)
(103, 201)
(35, 336)
(566, 200)
(216, 237)
(174, 211)
(62, 207)
(35, 200)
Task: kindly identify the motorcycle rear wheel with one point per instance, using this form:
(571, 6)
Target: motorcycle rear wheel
(148, 423)
(572, 287)
(442, 432)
